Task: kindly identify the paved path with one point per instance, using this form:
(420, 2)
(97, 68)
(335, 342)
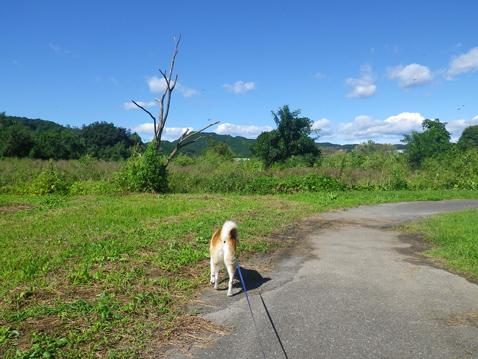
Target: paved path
(354, 289)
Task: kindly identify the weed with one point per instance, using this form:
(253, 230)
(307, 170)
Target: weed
(43, 347)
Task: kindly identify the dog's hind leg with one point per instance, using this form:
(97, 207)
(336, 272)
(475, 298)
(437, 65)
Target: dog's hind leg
(231, 270)
(214, 274)
(213, 278)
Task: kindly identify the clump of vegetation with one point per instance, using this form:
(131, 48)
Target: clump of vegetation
(144, 173)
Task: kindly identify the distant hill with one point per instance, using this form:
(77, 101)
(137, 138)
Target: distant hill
(238, 144)
(35, 138)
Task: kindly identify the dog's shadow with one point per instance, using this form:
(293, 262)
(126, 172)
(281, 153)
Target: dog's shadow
(252, 280)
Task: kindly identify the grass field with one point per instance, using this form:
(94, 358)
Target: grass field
(109, 276)
(455, 240)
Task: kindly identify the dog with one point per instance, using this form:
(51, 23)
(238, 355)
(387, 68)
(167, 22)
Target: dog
(223, 251)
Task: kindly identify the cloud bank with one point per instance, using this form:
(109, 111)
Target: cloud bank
(361, 128)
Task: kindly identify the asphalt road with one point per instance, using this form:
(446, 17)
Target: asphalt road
(353, 287)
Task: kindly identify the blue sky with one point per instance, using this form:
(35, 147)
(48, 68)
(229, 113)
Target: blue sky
(360, 70)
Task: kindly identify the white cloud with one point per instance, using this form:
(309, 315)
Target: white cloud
(413, 75)
(362, 87)
(55, 48)
(146, 130)
(186, 91)
(319, 76)
(248, 131)
(132, 106)
(173, 133)
(456, 127)
(158, 85)
(324, 125)
(464, 63)
(61, 51)
(364, 127)
(240, 88)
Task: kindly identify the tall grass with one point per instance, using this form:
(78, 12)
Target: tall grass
(208, 174)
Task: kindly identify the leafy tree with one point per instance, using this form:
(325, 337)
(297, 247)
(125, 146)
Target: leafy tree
(58, 145)
(106, 141)
(15, 141)
(469, 137)
(290, 139)
(434, 141)
(219, 150)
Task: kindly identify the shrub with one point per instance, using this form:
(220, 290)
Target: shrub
(50, 180)
(145, 173)
(456, 170)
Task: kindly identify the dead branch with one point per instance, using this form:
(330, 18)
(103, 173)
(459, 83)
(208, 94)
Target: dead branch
(164, 112)
(141, 107)
(184, 137)
(164, 109)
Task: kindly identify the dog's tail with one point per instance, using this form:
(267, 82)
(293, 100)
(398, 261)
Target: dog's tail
(229, 230)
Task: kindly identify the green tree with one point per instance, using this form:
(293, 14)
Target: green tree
(106, 141)
(15, 140)
(434, 141)
(290, 139)
(218, 150)
(469, 137)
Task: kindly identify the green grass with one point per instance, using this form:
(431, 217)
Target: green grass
(455, 240)
(109, 276)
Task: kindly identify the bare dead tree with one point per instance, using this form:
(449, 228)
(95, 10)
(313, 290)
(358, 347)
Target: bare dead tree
(164, 111)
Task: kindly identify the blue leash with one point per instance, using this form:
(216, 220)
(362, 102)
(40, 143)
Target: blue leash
(250, 308)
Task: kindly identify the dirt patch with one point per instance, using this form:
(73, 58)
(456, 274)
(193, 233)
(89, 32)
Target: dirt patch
(185, 332)
(468, 319)
(13, 209)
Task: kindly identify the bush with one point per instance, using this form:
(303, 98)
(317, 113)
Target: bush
(456, 170)
(145, 173)
(50, 180)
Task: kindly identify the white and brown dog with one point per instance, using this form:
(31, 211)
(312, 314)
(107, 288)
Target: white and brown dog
(223, 251)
